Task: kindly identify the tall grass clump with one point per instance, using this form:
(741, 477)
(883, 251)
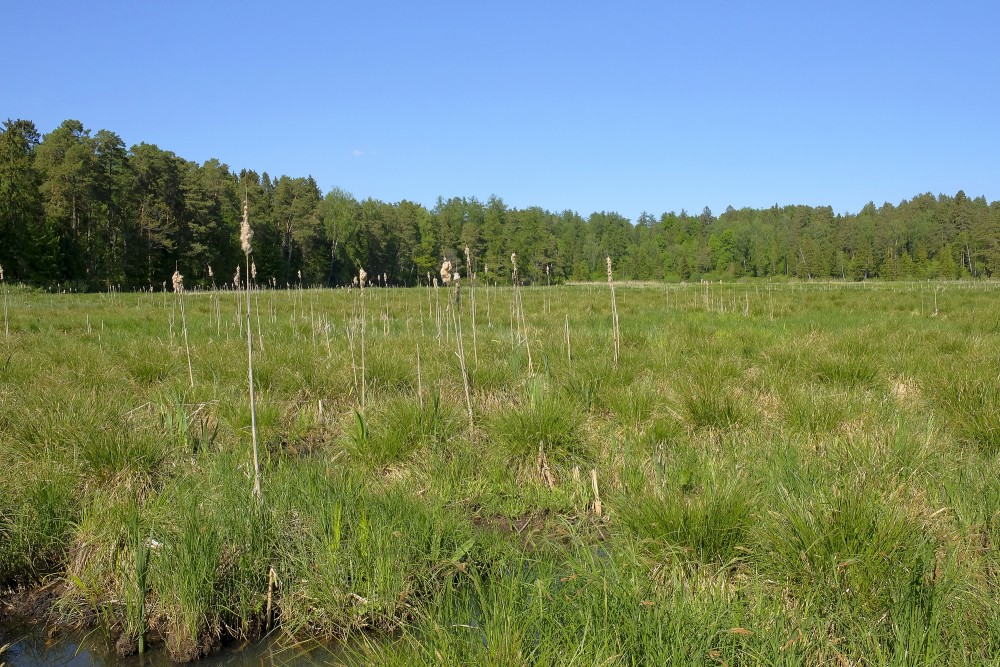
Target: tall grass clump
(361, 560)
(186, 576)
(707, 523)
(971, 408)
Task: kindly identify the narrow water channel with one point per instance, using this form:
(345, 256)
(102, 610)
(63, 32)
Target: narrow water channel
(30, 646)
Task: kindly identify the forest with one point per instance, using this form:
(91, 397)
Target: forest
(84, 212)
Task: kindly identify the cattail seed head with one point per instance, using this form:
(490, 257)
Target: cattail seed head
(1, 271)
(236, 278)
(513, 259)
(178, 281)
(446, 271)
(435, 283)
(609, 269)
(362, 277)
(253, 270)
(245, 232)
(210, 274)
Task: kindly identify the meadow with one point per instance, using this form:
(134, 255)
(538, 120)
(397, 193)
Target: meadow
(769, 474)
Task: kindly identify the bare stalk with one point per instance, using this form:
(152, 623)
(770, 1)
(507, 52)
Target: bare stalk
(472, 302)
(615, 331)
(456, 318)
(6, 323)
(522, 321)
(362, 278)
(245, 235)
(178, 281)
(420, 383)
(569, 355)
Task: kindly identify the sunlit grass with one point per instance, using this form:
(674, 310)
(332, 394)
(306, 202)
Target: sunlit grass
(798, 474)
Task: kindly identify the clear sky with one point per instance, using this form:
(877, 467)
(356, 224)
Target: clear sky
(620, 106)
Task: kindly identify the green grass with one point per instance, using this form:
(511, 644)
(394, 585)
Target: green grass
(810, 482)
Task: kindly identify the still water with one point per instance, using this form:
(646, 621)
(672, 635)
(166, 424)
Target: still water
(30, 646)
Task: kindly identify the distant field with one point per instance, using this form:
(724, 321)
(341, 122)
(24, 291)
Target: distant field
(787, 473)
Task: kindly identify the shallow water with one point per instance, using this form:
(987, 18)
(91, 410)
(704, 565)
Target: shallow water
(30, 646)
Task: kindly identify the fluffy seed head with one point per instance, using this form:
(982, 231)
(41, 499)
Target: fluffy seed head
(385, 278)
(236, 278)
(609, 269)
(446, 271)
(435, 283)
(253, 270)
(1, 271)
(178, 281)
(245, 232)
(513, 259)
(362, 277)
(210, 274)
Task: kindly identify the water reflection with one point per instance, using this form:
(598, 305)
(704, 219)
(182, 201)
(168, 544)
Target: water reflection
(32, 647)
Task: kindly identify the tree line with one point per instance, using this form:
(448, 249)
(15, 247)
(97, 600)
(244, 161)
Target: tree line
(83, 211)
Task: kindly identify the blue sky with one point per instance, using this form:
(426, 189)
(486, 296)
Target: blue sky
(588, 106)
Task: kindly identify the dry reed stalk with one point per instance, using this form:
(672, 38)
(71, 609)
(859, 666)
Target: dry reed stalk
(385, 317)
(256, 304)
(420, 306)
(446, 272)
(456, 318)
(430, 307)
(569, 354)
(472, 302)
(486, 277)
(245, 235)
(437, 304)
(178, 281)
(171, 319)
(420, 382)
(354, 363)
(362, 278)
(548, 286)
(272, 580)
(6, 322)
(543, 467)
(522, 321)
(615, 331)
(597, 493)
(239, 303)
